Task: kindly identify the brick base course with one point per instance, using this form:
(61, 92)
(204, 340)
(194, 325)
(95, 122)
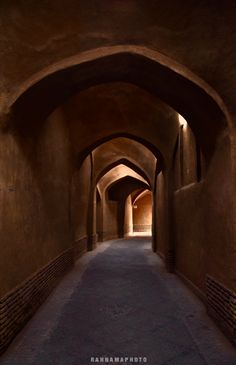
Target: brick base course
(221, 305)
(18, 306)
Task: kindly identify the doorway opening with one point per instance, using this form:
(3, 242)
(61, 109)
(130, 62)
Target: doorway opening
(139, 210)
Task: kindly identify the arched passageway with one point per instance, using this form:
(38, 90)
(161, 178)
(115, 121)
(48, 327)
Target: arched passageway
(117, 173)
(80, 138)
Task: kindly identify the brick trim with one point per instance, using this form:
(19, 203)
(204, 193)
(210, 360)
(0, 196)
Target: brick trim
(170, 260)
(221, 305)
(142, 227)
(19, 305)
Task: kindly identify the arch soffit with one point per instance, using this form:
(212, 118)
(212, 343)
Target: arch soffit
(127, 180)
(126, 162)
(102, 52)
(130, 172)
(161, 76)
(155, 151)
(141, 195)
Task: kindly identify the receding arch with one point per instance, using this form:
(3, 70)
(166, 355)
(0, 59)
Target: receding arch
(116, 185)
(156, 152)
(120, 171)
(140, 194)
(124, 151)
(173, 83)
(126, 162)
(126, 185)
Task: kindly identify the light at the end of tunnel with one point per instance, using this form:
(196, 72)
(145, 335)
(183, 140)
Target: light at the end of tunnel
(182, 122)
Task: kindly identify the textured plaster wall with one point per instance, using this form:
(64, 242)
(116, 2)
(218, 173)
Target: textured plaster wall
(120, 108)
(185, 158)
(80, 191)
(43, 33)
(99, 220)
(189, 156)
(35, 199)
(128, 221)
(110, 219)
(162, 227)
(130, 150)
(142, 214)
(204, 229)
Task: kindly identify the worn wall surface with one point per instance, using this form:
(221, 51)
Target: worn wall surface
(35, 199)
(124, 150)
(80, 191)
(162, 225)
(41, 34)
(74, 75)
(204, 223)
(119, 109)
(110, 219)
(142, 213)
(128, 220)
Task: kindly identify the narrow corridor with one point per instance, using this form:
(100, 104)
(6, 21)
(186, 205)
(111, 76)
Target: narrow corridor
(120, 302)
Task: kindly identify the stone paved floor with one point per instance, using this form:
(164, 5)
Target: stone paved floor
(119, 301)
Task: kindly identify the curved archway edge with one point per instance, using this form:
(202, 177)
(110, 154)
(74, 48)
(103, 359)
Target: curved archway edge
(99, 53)
(126, 162)
(156, 152)
(172, 82)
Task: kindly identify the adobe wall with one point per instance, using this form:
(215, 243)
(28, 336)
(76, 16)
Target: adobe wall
(162, 224)
(119, 109)
(38, 161)
(128, 219)
(37, 36)
(99, 218)
(142, 214)
(80, 192)
(35, 194)
(204, 223)
(114, 151)
(110, 219)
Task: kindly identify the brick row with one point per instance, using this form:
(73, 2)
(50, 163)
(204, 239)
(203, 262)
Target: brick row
(222, 302)
(18, 306)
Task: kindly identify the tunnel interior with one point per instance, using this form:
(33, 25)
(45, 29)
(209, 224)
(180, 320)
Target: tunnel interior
(118, 143)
